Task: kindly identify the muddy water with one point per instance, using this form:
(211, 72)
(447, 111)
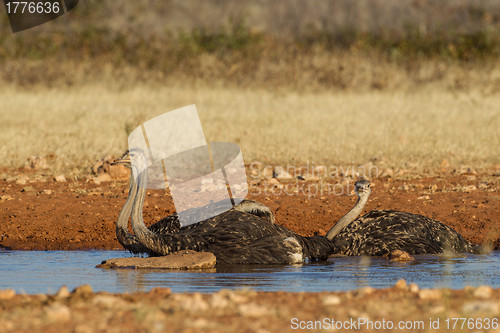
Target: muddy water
(35, 272)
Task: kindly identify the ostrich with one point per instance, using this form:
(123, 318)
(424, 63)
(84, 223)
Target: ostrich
(382, 231)
(234, 236)
(169, 224)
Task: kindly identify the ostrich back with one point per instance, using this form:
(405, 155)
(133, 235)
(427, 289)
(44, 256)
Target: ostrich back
(236, 237)
(382, 231)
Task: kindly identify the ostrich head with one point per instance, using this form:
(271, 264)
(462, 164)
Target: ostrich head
(362, 188)
(124, 160)
(132, 156)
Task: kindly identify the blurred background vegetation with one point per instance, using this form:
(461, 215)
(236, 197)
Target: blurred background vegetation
(301, 45)
(400, 83)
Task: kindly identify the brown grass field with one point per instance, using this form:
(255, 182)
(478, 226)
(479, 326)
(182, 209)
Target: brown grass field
(418, 130)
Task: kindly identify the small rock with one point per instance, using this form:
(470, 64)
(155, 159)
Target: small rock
(268, 172)
(103, 177)
(445, 164)
(60, 178)
(281, 173)
(218, 300)
(366, 291)
(413, 287)
(5, 197)
(36, 162)
(41, 297)
(469, 188)
(237, 298)
(400, 172)
(387, 173)
(437, 309)
(160, 291)
(331, 300)
(464, 169)
(255, 165)
(424, 197)
(470, 177)
(63, 292)
(200, 323)
(404, 187)
(108, 301)
(180, 260)
(47, 192)
(273, 181)
(28, 189)
(6, 294)
(193, 303)
(469, 289)
(22, 180)
(430, 294)
(83, 290)
(399, 255)
(483, 292)
(483, 186)
(401, 284)
(253, 310)
(58, 312)
(481, 306)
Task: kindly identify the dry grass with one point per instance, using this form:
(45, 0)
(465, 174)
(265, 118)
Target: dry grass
(76, 126)
(338, 82)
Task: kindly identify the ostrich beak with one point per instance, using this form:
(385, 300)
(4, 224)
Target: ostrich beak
(124, 159)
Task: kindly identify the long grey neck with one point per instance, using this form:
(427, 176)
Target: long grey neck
(140, 229)
(151, 241)
(349, 217)
(122, 232)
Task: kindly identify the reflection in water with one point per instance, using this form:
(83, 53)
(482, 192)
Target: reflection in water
(46, 271)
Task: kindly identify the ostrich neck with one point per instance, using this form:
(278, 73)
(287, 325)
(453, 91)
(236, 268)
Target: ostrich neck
(138, 225)
(349, 217)
(122, 223)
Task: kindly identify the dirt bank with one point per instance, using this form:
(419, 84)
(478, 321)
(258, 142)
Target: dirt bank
(364, 310)
(38, 213)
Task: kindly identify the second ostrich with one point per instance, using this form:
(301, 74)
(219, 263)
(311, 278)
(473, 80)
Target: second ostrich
(383, 231)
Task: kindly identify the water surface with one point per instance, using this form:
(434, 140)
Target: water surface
(35, 272)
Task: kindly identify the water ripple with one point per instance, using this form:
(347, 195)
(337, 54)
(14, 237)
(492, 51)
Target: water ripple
(35, 272)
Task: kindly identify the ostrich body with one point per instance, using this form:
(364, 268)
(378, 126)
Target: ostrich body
(169, 224)
(234, 237)
(383, 231)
